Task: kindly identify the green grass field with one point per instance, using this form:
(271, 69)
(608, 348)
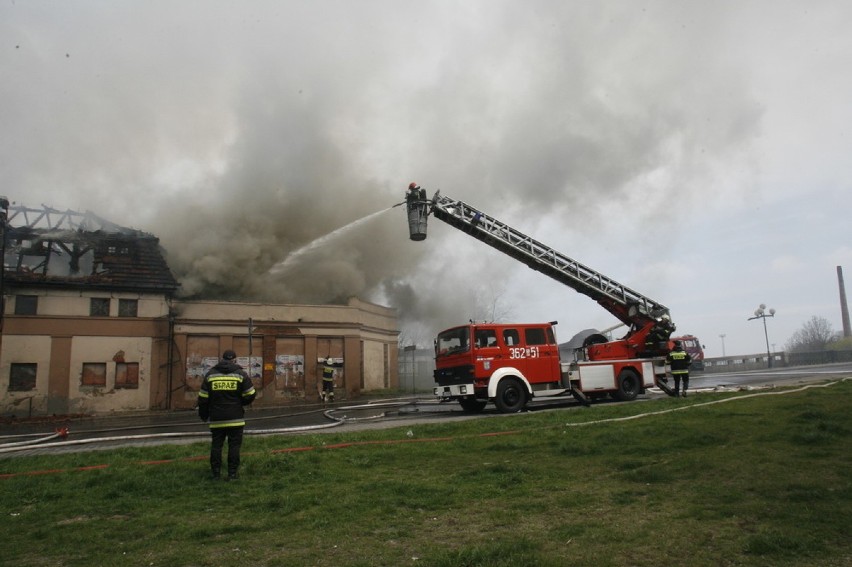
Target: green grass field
(762, 480)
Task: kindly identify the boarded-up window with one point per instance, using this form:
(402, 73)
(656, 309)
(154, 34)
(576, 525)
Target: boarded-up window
(99, 307)
(94, 374)
(202, 354)
(128, 307)
(253, 367)
(22, 377)
(127, 375)
(290, 367)
(26, 305)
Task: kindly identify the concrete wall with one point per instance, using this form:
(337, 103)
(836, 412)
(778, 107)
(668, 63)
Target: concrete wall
(62, 337)
(109, 398)
(288, 343)
(33, 349)
(169, 343)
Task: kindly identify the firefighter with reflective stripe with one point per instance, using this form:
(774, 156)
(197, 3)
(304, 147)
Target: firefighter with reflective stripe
(679, 361)
(225, 391)
(327, 393)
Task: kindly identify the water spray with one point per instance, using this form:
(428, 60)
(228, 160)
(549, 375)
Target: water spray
(292, 257)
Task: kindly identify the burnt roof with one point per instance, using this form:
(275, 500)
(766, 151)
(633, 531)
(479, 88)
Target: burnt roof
(76, 252)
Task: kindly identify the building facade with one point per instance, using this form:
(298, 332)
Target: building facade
(90, 325)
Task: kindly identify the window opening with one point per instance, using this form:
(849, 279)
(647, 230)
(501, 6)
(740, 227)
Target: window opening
(535, 336)
(99, 307)
(22, 377)
(128, 307)
(511, 337)
(26, 305)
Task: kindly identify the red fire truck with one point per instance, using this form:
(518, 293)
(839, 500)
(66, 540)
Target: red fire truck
(511, 364)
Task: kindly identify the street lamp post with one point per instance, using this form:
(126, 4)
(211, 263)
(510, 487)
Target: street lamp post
(4, 217)
(761, 313)
(722, 336)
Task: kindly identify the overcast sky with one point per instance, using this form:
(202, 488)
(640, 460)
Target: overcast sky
(697, 152)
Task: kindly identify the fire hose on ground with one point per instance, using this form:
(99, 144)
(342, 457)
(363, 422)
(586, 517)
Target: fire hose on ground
(42, 443)
(338, 421)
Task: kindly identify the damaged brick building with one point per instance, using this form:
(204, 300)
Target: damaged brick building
(91, 324)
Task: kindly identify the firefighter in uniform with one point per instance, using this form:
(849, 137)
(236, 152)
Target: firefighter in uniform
(415, 193)
(225, 391)
(658, 336)
(679, 360)
(327, 394)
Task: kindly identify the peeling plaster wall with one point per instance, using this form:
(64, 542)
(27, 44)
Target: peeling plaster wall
(96, 399)
(27, 350)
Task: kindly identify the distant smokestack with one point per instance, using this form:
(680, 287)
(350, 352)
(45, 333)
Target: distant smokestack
(844, 309)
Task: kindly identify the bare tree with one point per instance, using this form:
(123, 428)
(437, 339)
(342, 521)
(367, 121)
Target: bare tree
(411, 335)
(490, 304)
(814, 335)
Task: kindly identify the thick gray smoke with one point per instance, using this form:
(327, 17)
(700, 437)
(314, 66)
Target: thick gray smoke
(240, 133)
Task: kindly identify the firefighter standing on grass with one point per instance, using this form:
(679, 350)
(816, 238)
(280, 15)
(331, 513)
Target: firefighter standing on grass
(327, 394)
(679, 361)
(225, 391)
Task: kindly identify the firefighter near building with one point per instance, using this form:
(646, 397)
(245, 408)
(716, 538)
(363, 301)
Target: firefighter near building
(511, 364)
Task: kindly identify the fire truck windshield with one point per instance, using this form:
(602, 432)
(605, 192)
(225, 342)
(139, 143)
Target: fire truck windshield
(452, 341)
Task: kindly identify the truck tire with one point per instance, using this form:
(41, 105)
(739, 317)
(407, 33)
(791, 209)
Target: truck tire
(628, 385)
(511, 396)
(472, 405)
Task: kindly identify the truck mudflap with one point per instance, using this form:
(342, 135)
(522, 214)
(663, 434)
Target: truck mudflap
(662, 384)
(453, 391)
(580, 397)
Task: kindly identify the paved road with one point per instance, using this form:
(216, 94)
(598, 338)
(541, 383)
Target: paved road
(772, 376)
(184, 427)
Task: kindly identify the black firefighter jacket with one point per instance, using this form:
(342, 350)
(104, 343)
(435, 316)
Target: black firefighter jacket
(225, 390)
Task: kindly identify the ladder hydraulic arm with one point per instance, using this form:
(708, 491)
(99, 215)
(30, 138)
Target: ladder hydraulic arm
(640, 313)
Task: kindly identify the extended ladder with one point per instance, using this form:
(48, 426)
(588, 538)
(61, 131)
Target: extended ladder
(626, 304)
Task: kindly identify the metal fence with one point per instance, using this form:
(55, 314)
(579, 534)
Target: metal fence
(779, 359)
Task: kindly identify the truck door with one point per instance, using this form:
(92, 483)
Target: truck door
(543, 354)
(488, 354)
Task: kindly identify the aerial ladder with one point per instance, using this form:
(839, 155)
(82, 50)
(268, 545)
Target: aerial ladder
(648, 321)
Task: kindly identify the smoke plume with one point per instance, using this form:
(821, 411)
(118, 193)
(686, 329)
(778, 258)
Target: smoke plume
(241, 133)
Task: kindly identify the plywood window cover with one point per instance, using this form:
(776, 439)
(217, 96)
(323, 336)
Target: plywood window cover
(127, 375)
(94, 374)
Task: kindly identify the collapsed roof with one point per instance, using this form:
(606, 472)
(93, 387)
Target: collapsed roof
(71, 249)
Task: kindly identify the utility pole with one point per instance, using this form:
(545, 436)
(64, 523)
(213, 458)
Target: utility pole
(844, 308)
(761, 313)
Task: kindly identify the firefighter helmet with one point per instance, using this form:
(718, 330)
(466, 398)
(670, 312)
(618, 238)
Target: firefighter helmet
(412, 185)
(678, 344)
(329, 361)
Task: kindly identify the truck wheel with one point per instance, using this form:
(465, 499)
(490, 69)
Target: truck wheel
(472, 405)
(628, 386)
(511, 396)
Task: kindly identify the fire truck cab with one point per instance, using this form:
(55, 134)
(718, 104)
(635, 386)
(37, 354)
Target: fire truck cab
(510, 364)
